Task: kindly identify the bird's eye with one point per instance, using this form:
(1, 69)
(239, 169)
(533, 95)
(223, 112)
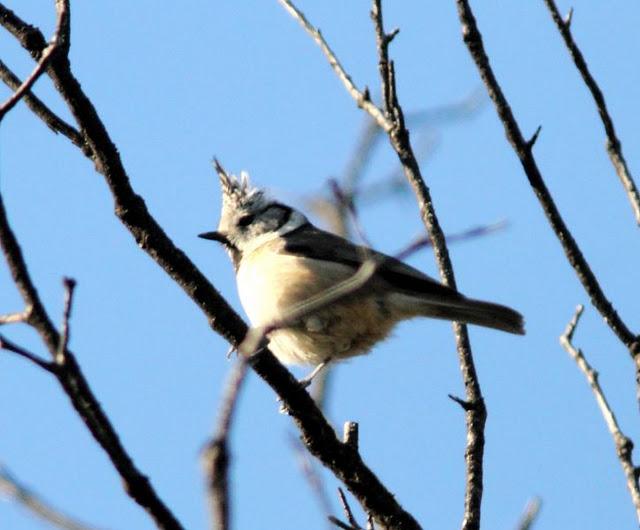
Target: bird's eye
(246, 220)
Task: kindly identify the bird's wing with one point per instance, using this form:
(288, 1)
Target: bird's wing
(311, 242)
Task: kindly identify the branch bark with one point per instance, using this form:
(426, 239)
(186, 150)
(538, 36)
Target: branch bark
(216, 455)
(613, 145)
(624, 444)
(68, 373)
(524, 150)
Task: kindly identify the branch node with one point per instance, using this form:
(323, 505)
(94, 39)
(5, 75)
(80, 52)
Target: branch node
(568, 19)
(532, 141)
(390, 36)
(466, 405)
(571, 326)
(351, 434)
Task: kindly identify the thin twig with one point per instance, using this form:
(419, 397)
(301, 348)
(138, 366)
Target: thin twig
(350, 434)
(48, 117)
(7, 345)
(471, 233)
(312, 477)
(530, 514)
(15, 318)
(60, 36)
(624, 445)
(341, 524)
(473, 40)
(69, 286)
(13, 489)
(613, 145)
(361, 98)
(216, 455)
(347, 509)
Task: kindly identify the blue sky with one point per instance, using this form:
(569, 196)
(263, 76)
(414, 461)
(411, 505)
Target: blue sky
(241, 81)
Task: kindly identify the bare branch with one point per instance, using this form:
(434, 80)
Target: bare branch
(477, 231)
(624, 445)
(351, 434)
(15, 318)
(347, 510)
(216, 455)
(61, 352)
(60, 36)
(476, 412)
(614, 147)
(13, 489)
(313, 478)
(531, 511)
(361, 98)
(342, 525)
(473, 40)
(7, 345)
(49, 118)
(72, 380)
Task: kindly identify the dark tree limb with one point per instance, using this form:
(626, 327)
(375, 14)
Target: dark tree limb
(317, 435)
(613, 145)
(7, 345)
(523, 150)
(216, 455)
(68, 373)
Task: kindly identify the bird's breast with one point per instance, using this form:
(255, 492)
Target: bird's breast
(271, 283)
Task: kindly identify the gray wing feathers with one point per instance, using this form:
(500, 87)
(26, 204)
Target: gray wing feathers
(417, 293)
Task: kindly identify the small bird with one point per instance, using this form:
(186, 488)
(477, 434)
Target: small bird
(281, 260)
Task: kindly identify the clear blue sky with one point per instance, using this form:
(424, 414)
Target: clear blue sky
(177, 84)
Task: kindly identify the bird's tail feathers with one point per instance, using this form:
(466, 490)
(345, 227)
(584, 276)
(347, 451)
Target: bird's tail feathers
(469, 311)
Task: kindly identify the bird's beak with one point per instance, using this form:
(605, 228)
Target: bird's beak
(216, 236)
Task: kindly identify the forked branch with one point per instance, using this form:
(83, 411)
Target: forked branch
(624, 445)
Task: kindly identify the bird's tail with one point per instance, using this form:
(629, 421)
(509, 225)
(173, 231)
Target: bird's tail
(469, 311)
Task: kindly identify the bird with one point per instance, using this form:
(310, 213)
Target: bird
(282, 260)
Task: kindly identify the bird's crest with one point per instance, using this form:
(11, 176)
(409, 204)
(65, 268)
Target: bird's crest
(237, 192)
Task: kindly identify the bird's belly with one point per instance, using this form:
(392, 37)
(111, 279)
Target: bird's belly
(345, 329)
(270, 285)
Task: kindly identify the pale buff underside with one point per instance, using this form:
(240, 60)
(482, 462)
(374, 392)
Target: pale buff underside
(270, 282)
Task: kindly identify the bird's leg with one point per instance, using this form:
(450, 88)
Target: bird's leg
(306, 381)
